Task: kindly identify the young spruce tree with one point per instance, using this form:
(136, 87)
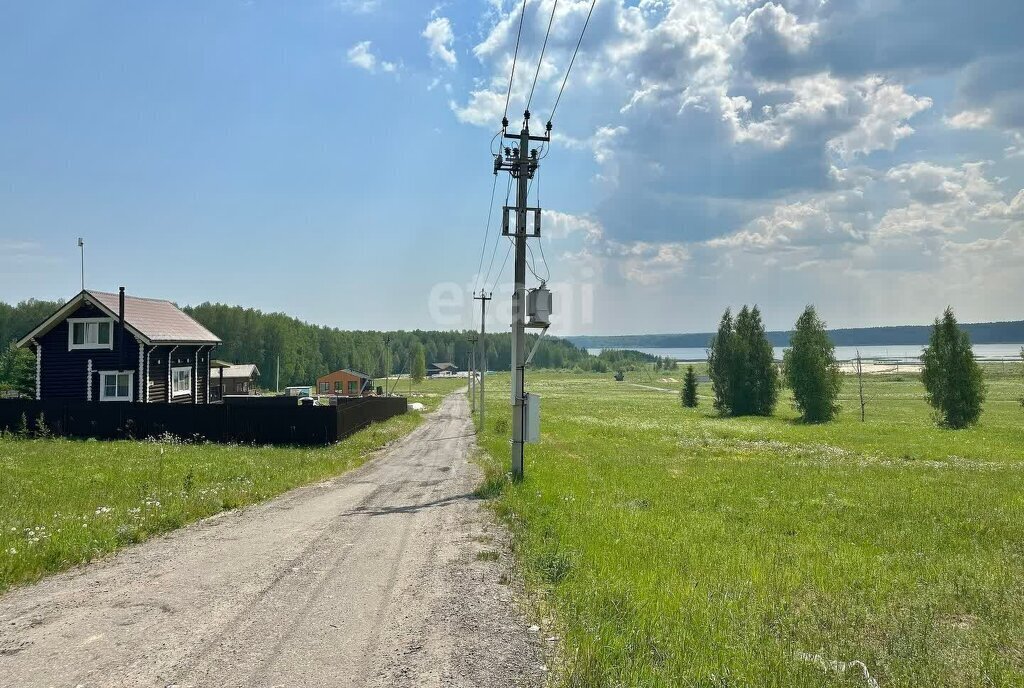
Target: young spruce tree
(762, 373)
(419, 363)
(741, 364)
(689, 394)
(952, 378)
(810, 369)
(720, 364)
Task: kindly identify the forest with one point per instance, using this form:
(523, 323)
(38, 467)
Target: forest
(307, 351)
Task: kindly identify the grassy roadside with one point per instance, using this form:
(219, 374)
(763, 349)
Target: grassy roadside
(676, 548)
(67, 502)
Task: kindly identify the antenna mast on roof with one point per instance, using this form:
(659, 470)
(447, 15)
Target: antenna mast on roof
(81, 247)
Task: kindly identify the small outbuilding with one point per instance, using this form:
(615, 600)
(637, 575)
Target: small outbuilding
(101, 346)
(231, 379)
(345, 382)
(442, 370)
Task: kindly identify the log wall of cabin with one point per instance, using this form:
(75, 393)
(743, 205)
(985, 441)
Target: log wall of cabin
(65, 374)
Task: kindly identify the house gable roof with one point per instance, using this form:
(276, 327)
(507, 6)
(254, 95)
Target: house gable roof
(154, 321)
(353, 373)
(240, 370)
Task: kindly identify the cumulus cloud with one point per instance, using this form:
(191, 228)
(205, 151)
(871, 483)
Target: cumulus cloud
(440, 37)
(790, 227)
(970, 119)
(886, 109)
(797, 132)
(362, 56)
(643, 263)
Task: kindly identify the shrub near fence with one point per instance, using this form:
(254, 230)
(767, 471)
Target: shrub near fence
(267, 423)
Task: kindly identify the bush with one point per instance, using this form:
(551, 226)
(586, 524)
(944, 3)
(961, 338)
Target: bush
(952, 378)
(741, 364)
(689, 394)
(810, 369)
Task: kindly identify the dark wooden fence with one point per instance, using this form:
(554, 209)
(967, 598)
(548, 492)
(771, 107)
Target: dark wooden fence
(257, 423)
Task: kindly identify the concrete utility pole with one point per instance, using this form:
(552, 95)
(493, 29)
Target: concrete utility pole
(472, 374)
(387, 364)
(483, 299)
(521, 163)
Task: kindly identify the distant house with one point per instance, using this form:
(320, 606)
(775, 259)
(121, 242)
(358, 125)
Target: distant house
(442, 370)
(112, 347)
(344, 382)
(227, 378)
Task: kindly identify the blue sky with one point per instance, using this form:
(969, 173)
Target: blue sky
(330, 159)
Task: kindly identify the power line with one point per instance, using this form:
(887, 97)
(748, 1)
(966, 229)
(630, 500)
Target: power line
(571, 61)
(487, 231)
(543, 47)
(497, 238)
(514, 56)
(511, 244)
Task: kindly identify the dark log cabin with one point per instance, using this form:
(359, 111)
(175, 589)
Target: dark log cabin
(112, 347)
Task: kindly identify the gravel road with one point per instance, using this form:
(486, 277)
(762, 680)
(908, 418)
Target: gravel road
(371, 579)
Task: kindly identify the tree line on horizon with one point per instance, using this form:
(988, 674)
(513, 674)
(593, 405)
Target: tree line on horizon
(306, 351)
(893, 335)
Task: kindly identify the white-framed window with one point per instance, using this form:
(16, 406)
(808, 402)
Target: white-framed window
(90, 333)
(116, 385)
(181, 381)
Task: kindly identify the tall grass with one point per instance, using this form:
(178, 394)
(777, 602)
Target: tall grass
(677, 548)
(67, 502)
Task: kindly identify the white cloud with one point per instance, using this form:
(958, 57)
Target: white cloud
(358, 6)
(999, 210)
(790, 227)
(559, 225)
(774, 22)
(741, 130)
(361, 56)
(440, 37)
(884, 121)
(970, 119)
(931, 184)
(641, 262)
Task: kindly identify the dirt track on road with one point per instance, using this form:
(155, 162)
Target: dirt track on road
(370, 579)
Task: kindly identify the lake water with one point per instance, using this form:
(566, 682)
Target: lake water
(845, 353)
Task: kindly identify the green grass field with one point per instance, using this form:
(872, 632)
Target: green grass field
(671, 547)
(67, 502)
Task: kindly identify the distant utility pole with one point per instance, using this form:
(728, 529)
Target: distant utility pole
(81, 249)
(277, 382)
(472, 374)
(387, 363)
(521, 163)
(483, 299)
